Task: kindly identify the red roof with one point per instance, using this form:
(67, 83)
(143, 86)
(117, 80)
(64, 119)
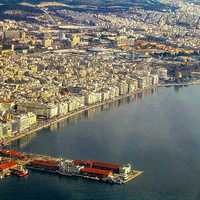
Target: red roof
(7, 165)
(12, 153)
(83, 162)
(96, 171)
(49, 163)
(94, 163)
(106, 164)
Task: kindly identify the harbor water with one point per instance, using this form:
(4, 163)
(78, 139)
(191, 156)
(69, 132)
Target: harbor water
(157, 131)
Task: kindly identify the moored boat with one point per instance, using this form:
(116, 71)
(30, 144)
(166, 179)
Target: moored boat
(20, 172)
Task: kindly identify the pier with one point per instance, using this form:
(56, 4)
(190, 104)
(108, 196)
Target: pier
(87, 169)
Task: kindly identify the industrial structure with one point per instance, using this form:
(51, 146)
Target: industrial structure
(17, 162)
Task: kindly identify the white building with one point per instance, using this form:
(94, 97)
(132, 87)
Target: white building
(63, 108)
(40, 109)
(142, 82)
(132, 86)
(123, 88)
(75, 103)
(93, 97)
(25, 121)
(5, 130)
(162, 73)
(155, 79)
(105, 95)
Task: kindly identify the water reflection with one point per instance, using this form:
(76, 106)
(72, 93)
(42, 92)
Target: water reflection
(87, 115)
(23, 142)
(177, 88)
(53, 127)
(90, 114)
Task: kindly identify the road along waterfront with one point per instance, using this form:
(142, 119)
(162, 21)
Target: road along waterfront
(45, 124)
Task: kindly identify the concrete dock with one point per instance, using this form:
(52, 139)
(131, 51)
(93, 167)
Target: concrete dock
(51, 164)
(133, 175)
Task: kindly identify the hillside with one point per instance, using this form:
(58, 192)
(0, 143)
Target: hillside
(101, 4)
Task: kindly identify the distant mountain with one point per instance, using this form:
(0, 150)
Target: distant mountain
(101, 4)
(89, 2)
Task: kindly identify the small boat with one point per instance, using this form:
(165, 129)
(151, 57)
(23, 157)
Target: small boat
(20, 172)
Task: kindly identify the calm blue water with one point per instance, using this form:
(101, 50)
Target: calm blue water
(158, 132)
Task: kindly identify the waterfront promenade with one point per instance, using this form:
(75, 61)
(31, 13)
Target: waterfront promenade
(47, 123)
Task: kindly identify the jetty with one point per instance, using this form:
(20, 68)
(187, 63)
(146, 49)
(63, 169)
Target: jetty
(17, 163)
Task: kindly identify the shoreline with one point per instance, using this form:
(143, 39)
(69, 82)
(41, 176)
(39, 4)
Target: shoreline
(197, 82)
(42, 124)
